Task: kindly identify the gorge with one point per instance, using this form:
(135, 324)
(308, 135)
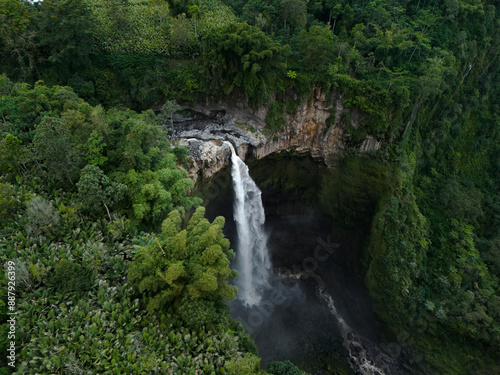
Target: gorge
(294, 317)
(365, 140)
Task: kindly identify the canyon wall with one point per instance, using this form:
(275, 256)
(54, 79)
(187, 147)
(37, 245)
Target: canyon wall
(310, 129)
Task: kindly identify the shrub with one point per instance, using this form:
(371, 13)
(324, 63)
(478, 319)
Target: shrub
(283, 368)
(42, 217)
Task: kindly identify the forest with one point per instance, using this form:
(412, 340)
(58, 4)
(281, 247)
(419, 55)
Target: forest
(117, 268)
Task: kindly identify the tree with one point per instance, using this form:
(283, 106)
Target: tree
(8, 200)
(182, 38)
(11, 156)
(283, 368)
(25, 106)
(42, 217)
(293, 13)
(137, 141)
(243, 56)
(65, 35)
(95, 147)
(17, 36)
(249, 364)
(61, 159)
(151, 195)
(96, 190)
(316, 47)
(335, 11)
(140, 157)
(357, 33)
(261, 14)
(194, 11)
(167, 111)
(192, 261)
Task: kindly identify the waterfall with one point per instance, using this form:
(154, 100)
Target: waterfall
(354, 343)
(252, 259)
(359, 359)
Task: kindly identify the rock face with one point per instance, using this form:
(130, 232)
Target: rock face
(317, 127)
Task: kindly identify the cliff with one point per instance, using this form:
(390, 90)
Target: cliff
(308, 130)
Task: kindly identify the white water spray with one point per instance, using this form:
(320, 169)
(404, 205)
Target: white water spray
(252, 258)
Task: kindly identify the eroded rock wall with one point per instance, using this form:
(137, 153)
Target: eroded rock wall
(317, 127)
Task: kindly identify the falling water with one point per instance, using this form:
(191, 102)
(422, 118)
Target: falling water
(358, 356)
(359, 359)
(252, 259)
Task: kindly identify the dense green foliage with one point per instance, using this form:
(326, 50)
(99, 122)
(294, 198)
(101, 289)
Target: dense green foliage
(433, 251)
(352, 191)
(186, 269)
(390, 59)
(79, 184)
(81, 179)
(283, 368)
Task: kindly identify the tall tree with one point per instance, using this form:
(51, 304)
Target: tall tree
(243, 56)
(194, 11)
(17, 47)
(188, 261)
(293, 13)
(65, 36)
(316, 47)
(61, 159)
(96, 190)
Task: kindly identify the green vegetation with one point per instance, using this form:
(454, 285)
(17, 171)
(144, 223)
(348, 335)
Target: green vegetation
(83, 190)
(283, 368)
(191, 271)
(292, 174)
(91, 189)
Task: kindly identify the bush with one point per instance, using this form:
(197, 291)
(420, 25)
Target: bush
(42, 217)
(249, 364)
(283, 368)
(276, 117)
(69, 276)
(196, 313)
